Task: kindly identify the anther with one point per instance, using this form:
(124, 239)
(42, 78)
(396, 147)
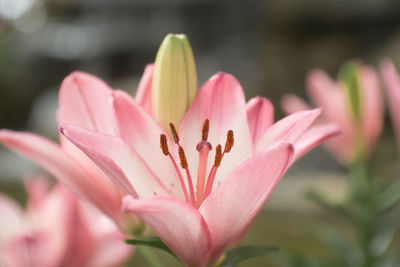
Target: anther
(218, 156)
(229, 141)
(164, 144)
(182, 158)
(174, 133)
(205, 129)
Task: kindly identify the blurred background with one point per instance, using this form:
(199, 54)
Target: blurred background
(268, 45)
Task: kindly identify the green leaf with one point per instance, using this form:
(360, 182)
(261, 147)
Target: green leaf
(349, 77)
(322, 202)
(152, 241)
(383, 233)
(236, 255)
(388, 198)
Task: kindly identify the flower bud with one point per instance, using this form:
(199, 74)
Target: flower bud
(349, 76)
(174, 80)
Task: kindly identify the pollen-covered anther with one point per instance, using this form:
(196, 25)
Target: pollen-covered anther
(164, 144)
(205, 129)
(174, 133)
(229, 141)
(182, 158)
(218, 156)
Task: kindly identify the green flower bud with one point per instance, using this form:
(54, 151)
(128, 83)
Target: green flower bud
(174, 81)
(349, 77)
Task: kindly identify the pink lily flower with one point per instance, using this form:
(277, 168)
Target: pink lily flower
(331, 96)
(391, 79)
(199, 203)
(84, 100)
(57, 229)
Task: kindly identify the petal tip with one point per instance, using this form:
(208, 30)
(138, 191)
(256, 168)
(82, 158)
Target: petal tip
(222, 75)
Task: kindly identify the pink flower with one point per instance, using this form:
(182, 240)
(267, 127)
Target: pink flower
(392, 82)
(199, 203)
(84, 100)
(358, 135)
(57, 229)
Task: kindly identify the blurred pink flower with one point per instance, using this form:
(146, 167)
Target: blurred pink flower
(198, 206)
(391, 80)
(56, 229)
(355, 134)
(84, 100)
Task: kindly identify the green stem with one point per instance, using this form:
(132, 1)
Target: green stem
(362, 206)
(149, 256)
(360, 183)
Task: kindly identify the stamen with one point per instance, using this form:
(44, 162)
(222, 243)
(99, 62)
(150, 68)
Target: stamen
(229, 141)
(185, 166)
(185, 192)
(165, 150)
(211, 176)
(204, 186)
(205, 129)
(218, 156)
(164, 144)
(217, 161)
(210, 181)
(182, 158)
(174, 133)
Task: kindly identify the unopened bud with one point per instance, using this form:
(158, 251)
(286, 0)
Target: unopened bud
(174, 81)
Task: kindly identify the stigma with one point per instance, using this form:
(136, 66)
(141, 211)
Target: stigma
(196, 195)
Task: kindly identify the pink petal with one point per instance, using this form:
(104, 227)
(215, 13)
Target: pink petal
(12, 218)
(50, 157)
(221, 100)
(289, 129)
(179, 225)
(232, 206)
(56, 219)
(118, 160)
(43, 241)
(372, 105)
(143, 93)
(106, 245)
(79, 241)
(260, 115)
(85, 100)
(138, 129)
(29, 250)
(326, 93)
(96, 176)
(37, 190)
(392, 83)
(110, 250)
(291, 104)
(314, 137)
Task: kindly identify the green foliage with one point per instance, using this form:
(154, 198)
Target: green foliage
(152, 241)
(240, 254)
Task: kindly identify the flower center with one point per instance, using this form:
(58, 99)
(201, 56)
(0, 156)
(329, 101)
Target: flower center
(204, 183)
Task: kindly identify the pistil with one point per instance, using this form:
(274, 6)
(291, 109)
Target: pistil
(204, 148)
